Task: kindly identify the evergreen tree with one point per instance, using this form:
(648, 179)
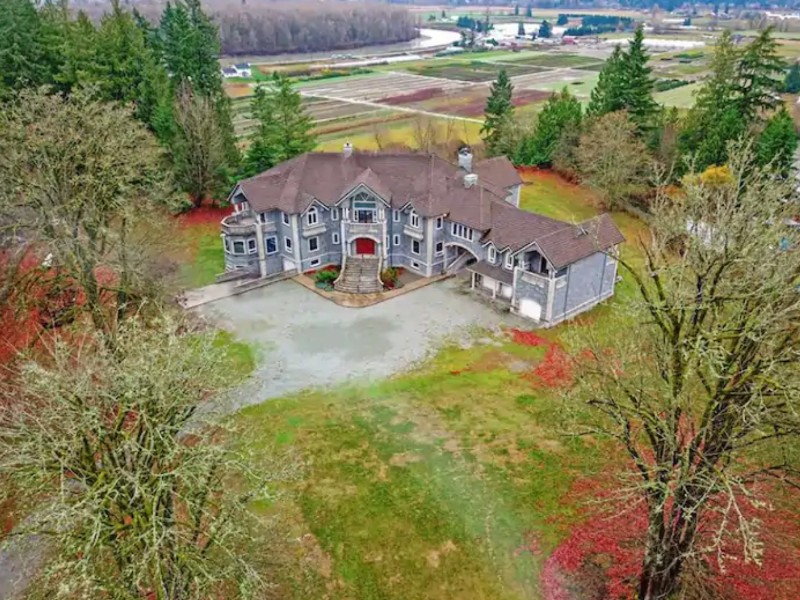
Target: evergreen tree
(607, 96)
(792, 82)
(529, 11)
(562, 20)
(562, 111)
(498, 113)
(521, 29)
(625, 83)
(125, 69)
(189, 44)
(78, 52)
(545, 30)
(778, 142)
(637, 90)
(24, 57)
(516, 10)
(741, 88)
(759, 75)
(284, 127)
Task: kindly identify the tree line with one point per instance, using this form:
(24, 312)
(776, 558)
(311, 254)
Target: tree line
(283, 27)
(703, 398)
(739, 99)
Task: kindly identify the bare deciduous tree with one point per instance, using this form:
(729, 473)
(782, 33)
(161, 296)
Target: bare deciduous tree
(705, 396)
(612, 159)
(199, 148)
(142, 498)
(423, 132)
(77, 177)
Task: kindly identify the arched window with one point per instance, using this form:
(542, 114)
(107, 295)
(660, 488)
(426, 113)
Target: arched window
(312, 216)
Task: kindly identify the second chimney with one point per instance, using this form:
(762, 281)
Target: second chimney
(470, 180)
(348, 149)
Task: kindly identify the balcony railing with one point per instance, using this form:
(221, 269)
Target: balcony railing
(238, 224)
(355, 228)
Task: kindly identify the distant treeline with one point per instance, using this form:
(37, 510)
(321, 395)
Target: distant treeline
(597, 24)
(302, 26)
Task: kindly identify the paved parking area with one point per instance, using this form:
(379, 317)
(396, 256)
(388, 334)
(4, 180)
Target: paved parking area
(306, 341)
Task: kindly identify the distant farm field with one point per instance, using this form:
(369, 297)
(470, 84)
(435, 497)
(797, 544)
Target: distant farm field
(474, 71)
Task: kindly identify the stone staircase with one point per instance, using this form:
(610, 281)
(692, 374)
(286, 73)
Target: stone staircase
(360, 276)
(459, 263)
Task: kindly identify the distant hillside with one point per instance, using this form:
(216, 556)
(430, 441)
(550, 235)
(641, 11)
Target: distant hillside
(266, 27)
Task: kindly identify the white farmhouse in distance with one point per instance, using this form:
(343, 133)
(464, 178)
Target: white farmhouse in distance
(238, 70)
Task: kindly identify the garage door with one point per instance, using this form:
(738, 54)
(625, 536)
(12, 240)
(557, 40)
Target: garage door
(288, 265)
(530, 308)
(505, 291)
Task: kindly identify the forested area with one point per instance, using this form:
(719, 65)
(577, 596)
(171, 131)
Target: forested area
(279, 27)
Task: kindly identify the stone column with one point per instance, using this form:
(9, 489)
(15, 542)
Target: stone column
(262, 252)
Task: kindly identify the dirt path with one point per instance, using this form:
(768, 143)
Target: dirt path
(396, 108)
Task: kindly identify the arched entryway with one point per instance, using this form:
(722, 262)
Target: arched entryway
(456, 257)
(364, 246)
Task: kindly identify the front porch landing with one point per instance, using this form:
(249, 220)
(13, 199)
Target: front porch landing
(362, 300)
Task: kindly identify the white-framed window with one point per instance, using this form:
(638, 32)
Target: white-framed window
(439, 248)
(335, 213)
(509, 261)
(415, 246)
(335, 238)
(396, 216)
(413, 218)
(252, 247)
(271, 244)
(287, 244)
(314, 262)
(312, 216)
(263, 217)
(492, 254)
(439, 222)
(238, 246)
(396, 239)
(461, 231)
(313, 244)
(285, 217)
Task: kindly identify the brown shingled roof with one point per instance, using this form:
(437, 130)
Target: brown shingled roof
(499, 171)
(569, 244)
(433, 187)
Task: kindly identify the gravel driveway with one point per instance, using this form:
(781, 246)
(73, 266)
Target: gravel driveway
(306, 341)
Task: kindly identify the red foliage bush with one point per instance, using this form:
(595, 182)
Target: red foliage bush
(602, 556)
(554, 370)
(48, 301)
(527, 338)
(204, 215)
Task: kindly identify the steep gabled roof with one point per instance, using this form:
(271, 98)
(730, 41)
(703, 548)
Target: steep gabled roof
(569, 244)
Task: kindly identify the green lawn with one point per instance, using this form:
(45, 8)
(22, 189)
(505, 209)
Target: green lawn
(208, 259)
(680, 97)
(450, 481)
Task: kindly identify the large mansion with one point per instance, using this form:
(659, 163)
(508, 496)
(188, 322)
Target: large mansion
(368, 211)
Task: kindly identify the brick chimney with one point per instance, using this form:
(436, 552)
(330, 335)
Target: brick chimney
(348, 150)
(470, 180)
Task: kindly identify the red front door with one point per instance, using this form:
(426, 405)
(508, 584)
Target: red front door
(365, 246)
